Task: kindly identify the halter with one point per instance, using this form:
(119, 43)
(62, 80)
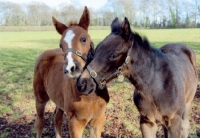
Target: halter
(79, 53)
(102, 81)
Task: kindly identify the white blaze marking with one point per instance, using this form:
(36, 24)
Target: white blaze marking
(68, 39)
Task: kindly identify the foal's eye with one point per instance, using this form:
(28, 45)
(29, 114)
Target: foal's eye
(113, 57)
(83, 39)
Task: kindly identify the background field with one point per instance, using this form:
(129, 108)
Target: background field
(18, 53)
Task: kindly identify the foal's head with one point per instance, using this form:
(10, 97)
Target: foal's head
(76, 44)
(110, 54)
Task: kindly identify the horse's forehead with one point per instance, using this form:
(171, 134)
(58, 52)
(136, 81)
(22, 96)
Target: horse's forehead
(68, 38)
(112, 40)
(73, 33)
(109, 43)
(78, 31)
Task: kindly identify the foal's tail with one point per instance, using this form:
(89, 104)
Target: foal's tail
(191, 55)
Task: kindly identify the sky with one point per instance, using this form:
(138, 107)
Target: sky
(95, 4)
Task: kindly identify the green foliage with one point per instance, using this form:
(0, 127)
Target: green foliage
(147, 22)
(187, 21)
(173, 18)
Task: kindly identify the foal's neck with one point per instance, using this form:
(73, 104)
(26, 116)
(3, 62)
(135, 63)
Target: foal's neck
(142, 66)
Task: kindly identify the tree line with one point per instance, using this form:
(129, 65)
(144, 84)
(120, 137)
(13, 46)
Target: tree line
(141, 14)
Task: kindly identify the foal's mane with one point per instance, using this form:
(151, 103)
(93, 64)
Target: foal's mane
(134, 36)
(72, 22)
(141, 41)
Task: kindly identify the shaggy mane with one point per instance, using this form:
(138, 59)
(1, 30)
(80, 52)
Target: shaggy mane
(141, 41)
(72, 22)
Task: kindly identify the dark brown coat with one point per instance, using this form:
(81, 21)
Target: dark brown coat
(165, 79)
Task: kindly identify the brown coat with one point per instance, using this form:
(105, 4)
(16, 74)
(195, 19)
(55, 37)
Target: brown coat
(51, 83)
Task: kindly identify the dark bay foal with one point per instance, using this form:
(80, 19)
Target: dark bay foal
(165, 79)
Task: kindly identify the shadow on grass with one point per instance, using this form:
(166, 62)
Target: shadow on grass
(24, 128)
(15, 129)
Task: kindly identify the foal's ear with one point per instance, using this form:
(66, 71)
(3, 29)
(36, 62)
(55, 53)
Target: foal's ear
(60, 27)
(126, 29)
(115, 25)
(85, 19)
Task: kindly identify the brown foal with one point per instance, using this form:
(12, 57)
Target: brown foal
(55, 76)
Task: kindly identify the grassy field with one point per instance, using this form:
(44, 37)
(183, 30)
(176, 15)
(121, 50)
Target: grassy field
(19, 51)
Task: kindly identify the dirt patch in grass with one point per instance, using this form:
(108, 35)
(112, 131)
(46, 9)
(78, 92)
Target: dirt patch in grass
(122, 118)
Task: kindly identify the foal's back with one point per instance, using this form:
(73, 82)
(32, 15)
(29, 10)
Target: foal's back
(183, 62)
(173, 83)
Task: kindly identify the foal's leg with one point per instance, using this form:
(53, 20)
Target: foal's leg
(165, 131)
(58, 122)
(76, 127)
(175, 127)
(40, 120)
(148, 127)
(97, 126)
(41, 98)
(185, 121)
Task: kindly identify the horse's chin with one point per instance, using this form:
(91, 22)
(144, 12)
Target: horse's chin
(73, 76)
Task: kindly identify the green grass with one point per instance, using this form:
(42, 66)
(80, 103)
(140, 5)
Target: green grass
(98, 35)
(4, 135)
(19, 51)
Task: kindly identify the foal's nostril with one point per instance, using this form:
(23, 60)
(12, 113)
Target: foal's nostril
(81, 85)
(72, 69)
(65, 71)
(76, 68)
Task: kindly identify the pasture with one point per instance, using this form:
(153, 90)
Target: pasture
(18, 53)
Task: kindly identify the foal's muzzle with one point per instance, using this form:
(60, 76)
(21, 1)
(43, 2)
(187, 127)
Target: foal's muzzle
(72, 71)
(85, 85)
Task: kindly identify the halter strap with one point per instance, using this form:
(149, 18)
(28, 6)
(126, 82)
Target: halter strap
(79, 53)
(102, 81)
(96, 77)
